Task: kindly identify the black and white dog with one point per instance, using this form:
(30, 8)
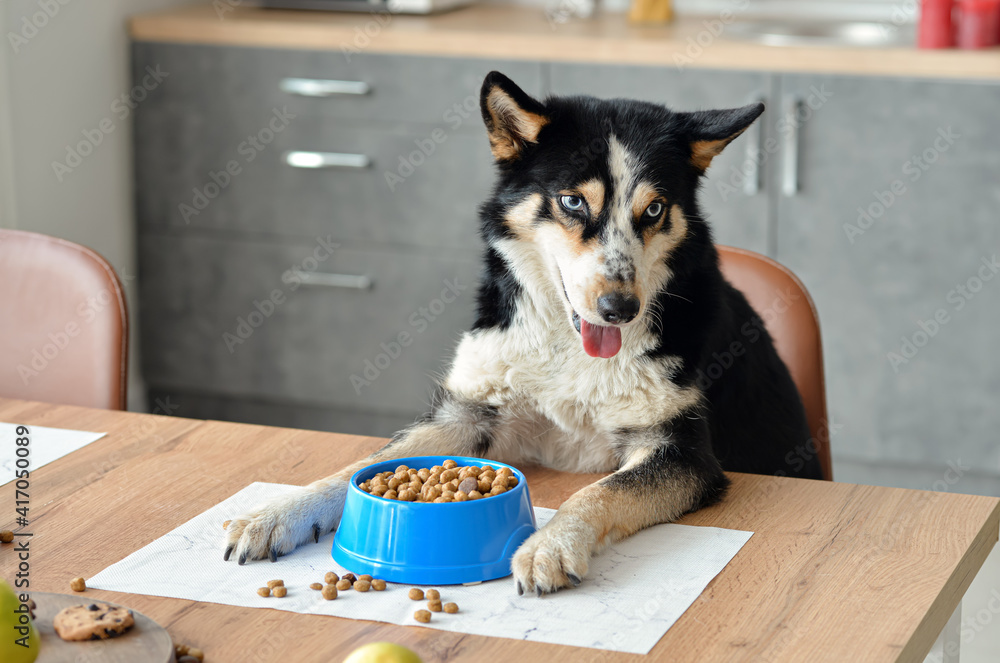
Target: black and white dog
(601, 300)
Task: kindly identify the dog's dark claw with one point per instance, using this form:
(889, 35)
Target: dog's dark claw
(520, 589)
(272, 554)
(575, 579)
(229, 551)
(316, 533)
(538, 591)
(243, 559)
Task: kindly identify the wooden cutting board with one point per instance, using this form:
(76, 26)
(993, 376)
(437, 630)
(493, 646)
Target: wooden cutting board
(147, 641)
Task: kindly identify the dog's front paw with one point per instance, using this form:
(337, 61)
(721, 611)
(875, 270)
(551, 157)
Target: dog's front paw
(554, 557)
(278, 527)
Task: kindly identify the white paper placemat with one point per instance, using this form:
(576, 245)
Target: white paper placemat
(45, 445)
(634, 591)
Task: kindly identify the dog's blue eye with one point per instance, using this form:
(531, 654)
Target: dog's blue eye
(572, 203)
(654, 210)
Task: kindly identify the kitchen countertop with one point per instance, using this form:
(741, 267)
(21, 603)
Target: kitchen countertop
(525, 33)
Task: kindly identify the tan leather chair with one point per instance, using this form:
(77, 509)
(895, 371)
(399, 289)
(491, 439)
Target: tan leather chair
(790, 316)
(64, 325)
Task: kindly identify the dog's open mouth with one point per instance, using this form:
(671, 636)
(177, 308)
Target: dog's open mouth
(598, 340)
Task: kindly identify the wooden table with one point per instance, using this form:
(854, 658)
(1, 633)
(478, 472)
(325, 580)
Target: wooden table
(835, 572)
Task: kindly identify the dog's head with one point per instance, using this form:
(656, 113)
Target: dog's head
(602, 193)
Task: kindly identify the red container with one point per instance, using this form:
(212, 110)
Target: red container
(936, 29)
(977, 23)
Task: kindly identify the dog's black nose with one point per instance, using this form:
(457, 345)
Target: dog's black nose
(617, 307)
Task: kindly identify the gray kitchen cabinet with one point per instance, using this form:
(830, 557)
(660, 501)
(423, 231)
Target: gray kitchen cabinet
(225, 215)
(893, 208)
(908, 300)
(214, 144)
(738, 213)
(247, 319)
(213, 84)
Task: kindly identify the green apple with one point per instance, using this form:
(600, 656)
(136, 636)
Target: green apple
(382, 652)
(18, 637)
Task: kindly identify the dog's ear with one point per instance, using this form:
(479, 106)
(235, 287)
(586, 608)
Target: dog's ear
(711, 131)
(512, 118)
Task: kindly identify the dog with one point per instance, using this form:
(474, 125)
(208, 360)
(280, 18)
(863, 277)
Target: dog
(600, 306)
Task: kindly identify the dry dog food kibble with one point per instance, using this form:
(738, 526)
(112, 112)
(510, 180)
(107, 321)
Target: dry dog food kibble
(329, 592)
(6, 536)
(365, 576)
(451, 608)
(378, 585)
(317, 585)
(271, 584)
(433, 594)
(349, 577)
(343, 584)
(422, 616)
(416, 594)
(264, 591)
(362, 585)
(448, 482)
(196, 654)
(280, 591)
(434, 605)
(78, 584)
(331, 577)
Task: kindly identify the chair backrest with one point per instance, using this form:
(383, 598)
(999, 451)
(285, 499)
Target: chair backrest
(64, 324)
(789, 314)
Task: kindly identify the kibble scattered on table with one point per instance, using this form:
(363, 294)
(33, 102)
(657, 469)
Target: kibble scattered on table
(343, 584)
(451, 608)
(6, 536)
(416, 594)
(316, 585)
(329, 592)
(422, 616)
(264, 591)
(271, 584)
(378, 585)
(280, 591)
(433, 594)
(434, 605)
(78, 585)
(362, 585)
(331, 578)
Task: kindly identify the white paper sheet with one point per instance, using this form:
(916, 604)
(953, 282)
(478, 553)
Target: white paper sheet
(45, 445)
(633, 593)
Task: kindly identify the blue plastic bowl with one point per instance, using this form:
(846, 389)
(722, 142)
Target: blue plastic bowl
(423, 543)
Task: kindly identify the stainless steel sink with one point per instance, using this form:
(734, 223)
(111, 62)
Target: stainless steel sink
(823, 33)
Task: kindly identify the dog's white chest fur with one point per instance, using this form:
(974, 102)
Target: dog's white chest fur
(570, 404)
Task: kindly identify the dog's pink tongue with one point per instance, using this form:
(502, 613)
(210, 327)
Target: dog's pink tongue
(600, 341)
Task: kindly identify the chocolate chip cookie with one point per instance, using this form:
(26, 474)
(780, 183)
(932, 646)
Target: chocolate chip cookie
(97, 621)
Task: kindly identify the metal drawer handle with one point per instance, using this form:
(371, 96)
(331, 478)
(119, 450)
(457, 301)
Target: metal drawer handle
(314, 87)
(790, 160)
(754, 152)
(303, 159)
(349, 281)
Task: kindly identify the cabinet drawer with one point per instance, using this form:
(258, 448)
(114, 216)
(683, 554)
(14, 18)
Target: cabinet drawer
(230, 317)
(413, 188)
(220, 82)
(738, 217)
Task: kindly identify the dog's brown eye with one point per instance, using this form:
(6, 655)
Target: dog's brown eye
(571, 203)
(654, 211)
